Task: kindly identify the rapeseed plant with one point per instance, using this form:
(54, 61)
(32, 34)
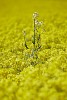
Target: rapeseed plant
(36, 39)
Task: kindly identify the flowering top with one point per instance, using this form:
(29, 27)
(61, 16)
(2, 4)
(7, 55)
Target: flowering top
(38, 23)
(35, 15)
(24, 32)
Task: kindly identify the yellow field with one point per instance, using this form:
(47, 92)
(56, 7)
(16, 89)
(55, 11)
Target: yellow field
(33, 71)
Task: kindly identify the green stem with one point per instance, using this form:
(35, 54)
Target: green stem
(34, 34)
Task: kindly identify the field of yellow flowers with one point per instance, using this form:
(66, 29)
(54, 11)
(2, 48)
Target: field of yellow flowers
(25, 73)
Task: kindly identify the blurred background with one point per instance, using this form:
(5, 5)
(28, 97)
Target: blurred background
(27, 7)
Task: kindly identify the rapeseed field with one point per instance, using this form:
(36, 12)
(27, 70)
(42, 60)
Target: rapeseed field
(33, 50)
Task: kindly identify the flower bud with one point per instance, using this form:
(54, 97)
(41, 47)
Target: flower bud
(35, 15)
(40, 23)
(36, 22)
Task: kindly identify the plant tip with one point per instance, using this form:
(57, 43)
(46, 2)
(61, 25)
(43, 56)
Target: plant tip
(35, 15)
